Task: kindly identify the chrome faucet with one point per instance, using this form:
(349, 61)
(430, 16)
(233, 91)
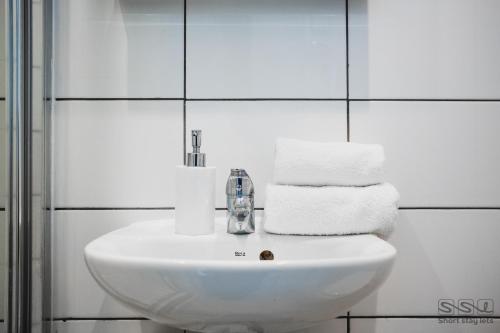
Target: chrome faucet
(240, 203)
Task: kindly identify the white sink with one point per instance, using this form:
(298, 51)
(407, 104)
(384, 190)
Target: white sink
(217, 283)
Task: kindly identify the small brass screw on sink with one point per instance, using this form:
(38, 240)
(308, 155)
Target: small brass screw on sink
(266, 255)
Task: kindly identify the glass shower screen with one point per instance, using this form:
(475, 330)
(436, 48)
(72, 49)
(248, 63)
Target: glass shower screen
(25, 209)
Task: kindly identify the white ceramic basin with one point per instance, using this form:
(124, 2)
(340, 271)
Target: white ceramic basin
(217, 283)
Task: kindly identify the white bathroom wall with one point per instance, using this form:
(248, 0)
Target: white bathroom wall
(133, 76)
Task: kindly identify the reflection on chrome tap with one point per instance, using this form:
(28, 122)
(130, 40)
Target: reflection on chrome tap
(240, 203)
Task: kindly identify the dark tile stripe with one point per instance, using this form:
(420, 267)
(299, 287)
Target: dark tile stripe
(113, 208)
(62, 99)
(262, 208)
(450, 208)
(97, 318)
(269, 99)
(348, 116)
(419, 317)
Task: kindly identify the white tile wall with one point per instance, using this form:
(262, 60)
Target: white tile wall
(76, 294)
(441, 254)
(408, 325)
(262, 48)
(117, 153)
(242, 134)
(111, 326)
(119, 48)
(122, 153)
(438, 153)
(424, 49)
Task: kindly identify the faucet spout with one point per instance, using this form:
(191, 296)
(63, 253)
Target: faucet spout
(240, 203)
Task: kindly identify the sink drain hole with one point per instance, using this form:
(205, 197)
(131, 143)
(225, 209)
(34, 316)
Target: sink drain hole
(266, 255)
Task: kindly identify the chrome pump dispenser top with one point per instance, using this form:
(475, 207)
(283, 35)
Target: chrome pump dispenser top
(196, 158)
(195, 193)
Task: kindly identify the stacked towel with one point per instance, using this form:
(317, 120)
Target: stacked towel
(329, 189)
(326, 210)
(327, 163)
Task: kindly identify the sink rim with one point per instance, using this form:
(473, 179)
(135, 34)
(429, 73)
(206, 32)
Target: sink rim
(94, 254)
(205, 290)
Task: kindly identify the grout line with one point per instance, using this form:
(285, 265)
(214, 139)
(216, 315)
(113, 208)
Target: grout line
(260, 99)
(347, 69)
(114, 208)
(348, 121)
(184, 129)
(62, 99)
(97, 318)
(348, 318)
(64, 319)
(185, 48)
(449, 208)
(421, 100)
(224, 208)
(257, 208)
(419, 317)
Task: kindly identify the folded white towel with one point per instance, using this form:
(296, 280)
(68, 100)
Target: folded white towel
(330, 210)
(300, 162)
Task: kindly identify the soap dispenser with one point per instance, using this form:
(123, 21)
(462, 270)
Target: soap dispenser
(195, 193)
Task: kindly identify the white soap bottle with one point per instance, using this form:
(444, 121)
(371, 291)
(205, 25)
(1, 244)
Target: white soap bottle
(195, 193)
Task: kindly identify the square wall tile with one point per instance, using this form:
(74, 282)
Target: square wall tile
(436, 325)
(40, 221)
(438, 153)
(243, 134)
(117, 153)
(38, 49)
(4, 265)
(119, 48)
(331, 326)
(40, 105)
(38, 162)
(4, 233)
(445, 49)
(442, 254)
(3, 63)
(76, 294)
(111, 326)
(266, 49)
